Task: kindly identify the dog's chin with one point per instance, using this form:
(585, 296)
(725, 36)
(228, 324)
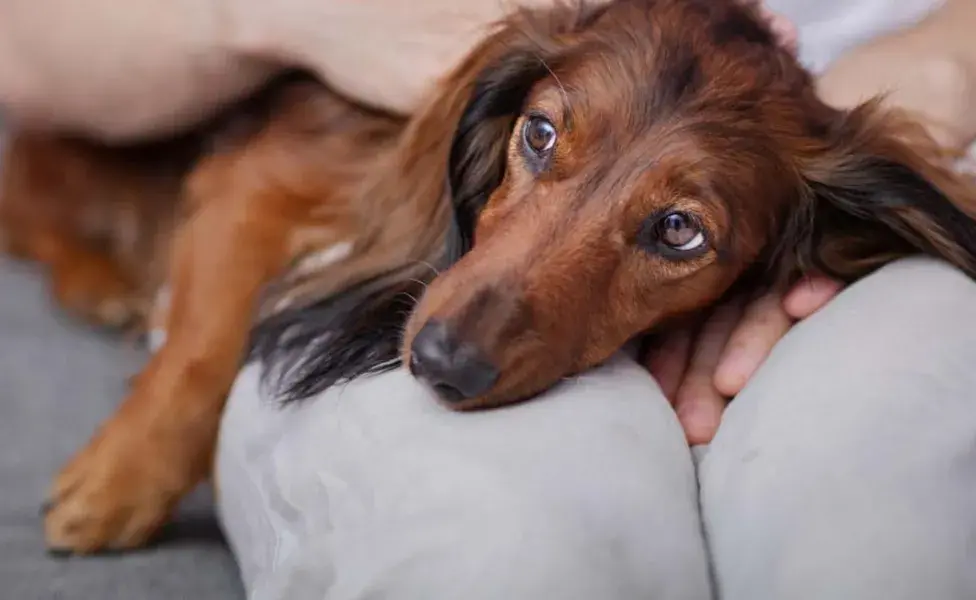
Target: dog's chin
(487, 402)
(499, 397)
(472, 404)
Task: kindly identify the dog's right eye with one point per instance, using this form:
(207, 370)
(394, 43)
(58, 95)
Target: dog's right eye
(539, 136)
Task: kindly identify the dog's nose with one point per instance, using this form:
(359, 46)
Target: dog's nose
(456, 370)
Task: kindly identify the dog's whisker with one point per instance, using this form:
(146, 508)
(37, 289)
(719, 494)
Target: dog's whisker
(412, 298)
(429, 265)
(559, 83)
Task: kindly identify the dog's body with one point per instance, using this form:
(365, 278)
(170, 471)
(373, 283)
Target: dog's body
(634, 161)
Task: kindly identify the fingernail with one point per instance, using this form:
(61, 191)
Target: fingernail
(698, 430)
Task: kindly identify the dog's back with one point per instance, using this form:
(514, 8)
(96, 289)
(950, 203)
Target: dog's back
(102, 217)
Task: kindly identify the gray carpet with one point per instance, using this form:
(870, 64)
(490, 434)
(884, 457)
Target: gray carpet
(57, 381)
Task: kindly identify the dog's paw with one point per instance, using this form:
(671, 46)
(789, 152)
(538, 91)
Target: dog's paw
(110, 496)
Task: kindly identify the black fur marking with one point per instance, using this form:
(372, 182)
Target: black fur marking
(742, 23)
(678, 75)
(910, 210)
(477, 157)
(353, 334)
(874, 210)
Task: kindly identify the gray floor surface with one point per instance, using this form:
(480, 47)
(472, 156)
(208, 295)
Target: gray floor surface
(58, 380)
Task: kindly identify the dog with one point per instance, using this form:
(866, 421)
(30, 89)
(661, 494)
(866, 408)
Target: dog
(584, 176)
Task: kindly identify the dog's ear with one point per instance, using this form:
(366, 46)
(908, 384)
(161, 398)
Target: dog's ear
(526, 49)
(876, 188)
(477, 159)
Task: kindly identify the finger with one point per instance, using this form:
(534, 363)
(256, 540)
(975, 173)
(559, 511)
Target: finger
(763, 323)
(698, 404)
(712, 338)
(810, 295)
(699, 407)
(668, 360)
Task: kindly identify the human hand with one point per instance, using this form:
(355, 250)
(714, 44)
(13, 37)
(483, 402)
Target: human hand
(700, 368)
(928, 70)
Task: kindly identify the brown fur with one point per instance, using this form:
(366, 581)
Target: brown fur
(658, 104)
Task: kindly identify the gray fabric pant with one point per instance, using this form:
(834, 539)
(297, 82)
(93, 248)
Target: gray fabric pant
(845, 470)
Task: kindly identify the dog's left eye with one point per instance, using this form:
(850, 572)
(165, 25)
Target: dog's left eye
(680, 232)
(675, 234)
(539, 135)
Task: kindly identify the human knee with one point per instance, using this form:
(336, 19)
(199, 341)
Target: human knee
(845, 468)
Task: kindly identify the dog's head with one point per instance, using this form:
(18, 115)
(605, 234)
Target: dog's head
(633, 161)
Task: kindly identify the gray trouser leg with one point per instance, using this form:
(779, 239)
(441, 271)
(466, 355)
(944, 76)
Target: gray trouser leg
(374, 491)
(847, 468)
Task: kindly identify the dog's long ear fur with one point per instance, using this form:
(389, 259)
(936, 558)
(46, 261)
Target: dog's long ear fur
(530, 49)
(876, 188)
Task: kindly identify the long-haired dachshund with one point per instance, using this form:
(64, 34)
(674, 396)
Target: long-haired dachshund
(584, 176)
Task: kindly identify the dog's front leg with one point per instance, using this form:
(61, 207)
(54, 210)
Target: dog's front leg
(158, 445)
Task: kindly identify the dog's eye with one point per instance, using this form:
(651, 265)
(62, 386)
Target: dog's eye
(679, 231)
(674, 234)
(539, 135)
